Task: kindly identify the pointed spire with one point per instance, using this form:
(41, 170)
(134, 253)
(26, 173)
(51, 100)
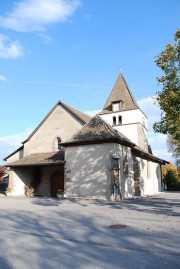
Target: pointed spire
(120, 92)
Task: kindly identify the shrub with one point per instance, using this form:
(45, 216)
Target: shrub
(172, 181)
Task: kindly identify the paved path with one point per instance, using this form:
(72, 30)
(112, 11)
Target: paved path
(39, 233)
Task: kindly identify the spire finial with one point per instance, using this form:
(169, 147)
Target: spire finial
(120, 69)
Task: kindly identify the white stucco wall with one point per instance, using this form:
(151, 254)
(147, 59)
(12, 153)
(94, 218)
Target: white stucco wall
(131, 130)
(18, 179)
(134, 125)
(89, 170)
(128, 117)
(150, 178)
(61, 124)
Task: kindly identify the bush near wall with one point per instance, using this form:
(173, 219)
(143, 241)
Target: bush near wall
(172, 181)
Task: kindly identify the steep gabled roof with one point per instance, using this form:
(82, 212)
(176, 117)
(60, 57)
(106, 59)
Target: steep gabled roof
(97, 131)
(120, 92)
(76, 113)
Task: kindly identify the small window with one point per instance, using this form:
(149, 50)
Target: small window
(115, 164)
(59, 143)
(120, 120)
(114, 120)
(116, 106)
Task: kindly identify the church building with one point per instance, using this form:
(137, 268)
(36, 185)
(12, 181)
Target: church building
(104, 157)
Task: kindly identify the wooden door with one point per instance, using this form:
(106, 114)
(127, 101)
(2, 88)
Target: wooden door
(57, 182)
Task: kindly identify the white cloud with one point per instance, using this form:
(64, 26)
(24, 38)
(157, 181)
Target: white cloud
(92, 112)
(8, 144)
(158, 144)
(10, 49)
(151, 110)
(3, 78)
(33, 15)
(45, 38)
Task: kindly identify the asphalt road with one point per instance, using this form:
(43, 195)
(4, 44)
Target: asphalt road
(39, 233)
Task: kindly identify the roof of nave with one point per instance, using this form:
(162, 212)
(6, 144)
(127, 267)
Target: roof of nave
(84, 118)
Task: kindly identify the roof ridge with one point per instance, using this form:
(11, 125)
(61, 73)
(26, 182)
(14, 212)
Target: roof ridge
(133, 99)
(80, 115)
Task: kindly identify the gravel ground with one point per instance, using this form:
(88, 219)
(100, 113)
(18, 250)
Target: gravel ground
(45, 233)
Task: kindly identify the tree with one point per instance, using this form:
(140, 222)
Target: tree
(168, 167)
(172, 182)
(169, 97)
(174, 148)
(171, 176)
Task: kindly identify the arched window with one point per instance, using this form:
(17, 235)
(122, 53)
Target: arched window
(114, 120)
(120, 120)
(59, 143)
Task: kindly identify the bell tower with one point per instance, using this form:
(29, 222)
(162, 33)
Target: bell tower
(122, 112)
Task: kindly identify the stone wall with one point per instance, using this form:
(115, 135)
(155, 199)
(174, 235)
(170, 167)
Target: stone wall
(60, 124)
(19, 179)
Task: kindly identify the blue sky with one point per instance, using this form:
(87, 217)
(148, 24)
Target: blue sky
(73, 51)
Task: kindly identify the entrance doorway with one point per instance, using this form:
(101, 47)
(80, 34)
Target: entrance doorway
(57, 181)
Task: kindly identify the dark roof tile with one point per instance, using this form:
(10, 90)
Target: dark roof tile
(95, 132)
(40, 159)
(120, 92)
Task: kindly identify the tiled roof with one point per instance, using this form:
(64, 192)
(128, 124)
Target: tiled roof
(98, 131)
(20, 148)
(82, 116)
(120, 92)
(148, 156)
(40, 159)
(95, 132)
(78, 114)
